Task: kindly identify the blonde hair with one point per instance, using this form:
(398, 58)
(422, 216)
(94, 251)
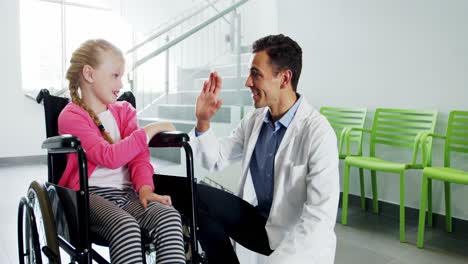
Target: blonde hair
(89, 53)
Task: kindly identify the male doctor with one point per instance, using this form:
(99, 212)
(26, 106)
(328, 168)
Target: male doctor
(289, 191)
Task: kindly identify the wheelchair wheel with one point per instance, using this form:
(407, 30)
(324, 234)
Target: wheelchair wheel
(44, 222)
(28, 241)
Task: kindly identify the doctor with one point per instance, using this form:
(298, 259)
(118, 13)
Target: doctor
(288, 199)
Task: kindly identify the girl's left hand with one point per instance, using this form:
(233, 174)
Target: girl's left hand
(147, 195)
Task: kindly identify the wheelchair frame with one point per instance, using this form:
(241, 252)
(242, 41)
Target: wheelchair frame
(82, 252)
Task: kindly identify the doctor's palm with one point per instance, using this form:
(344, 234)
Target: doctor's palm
(208, 102)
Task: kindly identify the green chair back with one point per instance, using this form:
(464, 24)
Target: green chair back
(400, 127)
(457, 135)
(341, 118)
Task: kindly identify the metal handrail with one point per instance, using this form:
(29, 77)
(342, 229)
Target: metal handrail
(217, 10)
(78, 5)
(187, 34)
(171, 26)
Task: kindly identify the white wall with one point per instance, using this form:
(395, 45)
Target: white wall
(377, 53)
(21, 119)
(259, 18)
(146, 15)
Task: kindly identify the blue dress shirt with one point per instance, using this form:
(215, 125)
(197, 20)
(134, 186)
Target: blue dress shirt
(262, 163)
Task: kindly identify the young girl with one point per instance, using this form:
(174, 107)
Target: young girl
(120, 175)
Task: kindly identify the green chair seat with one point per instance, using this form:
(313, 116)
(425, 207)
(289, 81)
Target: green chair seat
(372, 163)
(446, 174)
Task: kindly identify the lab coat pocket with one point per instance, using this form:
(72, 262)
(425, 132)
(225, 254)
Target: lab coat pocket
(296, 184)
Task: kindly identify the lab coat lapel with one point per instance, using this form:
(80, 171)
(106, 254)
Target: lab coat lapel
(288, 140)
(253, 140)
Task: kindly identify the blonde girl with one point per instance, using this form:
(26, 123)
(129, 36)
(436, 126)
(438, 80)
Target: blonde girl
(121, 198)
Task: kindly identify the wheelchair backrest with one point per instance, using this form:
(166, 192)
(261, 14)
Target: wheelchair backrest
(53, 106)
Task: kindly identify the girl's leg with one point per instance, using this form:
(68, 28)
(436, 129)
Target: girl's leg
(118, 227)
(165, 228)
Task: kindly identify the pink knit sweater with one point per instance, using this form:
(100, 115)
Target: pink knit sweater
(132, 149)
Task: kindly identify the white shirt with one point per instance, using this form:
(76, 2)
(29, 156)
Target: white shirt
(105, 177)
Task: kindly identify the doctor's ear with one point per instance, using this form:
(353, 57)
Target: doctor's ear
(286, 78)
(88, 73)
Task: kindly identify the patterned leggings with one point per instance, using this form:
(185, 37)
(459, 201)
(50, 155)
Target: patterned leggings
(118, 216)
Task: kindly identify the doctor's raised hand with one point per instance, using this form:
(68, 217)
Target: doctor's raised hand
(208, 102)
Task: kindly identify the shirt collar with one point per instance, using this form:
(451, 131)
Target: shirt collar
(287, 118)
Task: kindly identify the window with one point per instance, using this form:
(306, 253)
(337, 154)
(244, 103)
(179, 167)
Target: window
(52, 29)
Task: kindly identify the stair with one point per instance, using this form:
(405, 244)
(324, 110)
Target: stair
(177, 75)
(229, 97)
(235, 83)
(178, 106)
(183, 118)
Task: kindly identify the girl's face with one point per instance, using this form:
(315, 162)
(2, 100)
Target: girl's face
(108, 78)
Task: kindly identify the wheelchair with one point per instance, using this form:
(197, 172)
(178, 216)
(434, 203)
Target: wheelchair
(52, 217)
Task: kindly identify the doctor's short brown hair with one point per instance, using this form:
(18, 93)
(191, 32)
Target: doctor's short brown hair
(284, 53)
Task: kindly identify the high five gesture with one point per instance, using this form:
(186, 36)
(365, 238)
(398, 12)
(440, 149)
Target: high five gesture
(207, 102)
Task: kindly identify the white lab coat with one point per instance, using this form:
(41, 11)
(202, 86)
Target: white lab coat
(301, 223)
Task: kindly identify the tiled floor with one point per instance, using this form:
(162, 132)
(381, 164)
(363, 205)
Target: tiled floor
(367, 239)
(370, 238)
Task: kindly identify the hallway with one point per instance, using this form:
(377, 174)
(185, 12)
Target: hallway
(368, 238)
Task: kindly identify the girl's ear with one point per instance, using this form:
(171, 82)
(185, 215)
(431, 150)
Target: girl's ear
(88, 73)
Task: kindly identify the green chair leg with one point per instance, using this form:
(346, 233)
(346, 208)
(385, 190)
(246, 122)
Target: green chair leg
(429, 202)
(448, 207)
(402, 207)
(363, 194)
(422, 212)
(375, 199)
(344, 206)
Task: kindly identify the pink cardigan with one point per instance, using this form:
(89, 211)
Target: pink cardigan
(132, 149)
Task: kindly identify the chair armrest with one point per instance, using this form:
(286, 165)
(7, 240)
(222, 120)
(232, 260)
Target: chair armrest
(423, 140)
(61, 144)
(169, 139)
(342, 139)
(416, 142)
(347, 134)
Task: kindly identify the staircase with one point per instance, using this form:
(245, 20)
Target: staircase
(178, 107)
(168, 75)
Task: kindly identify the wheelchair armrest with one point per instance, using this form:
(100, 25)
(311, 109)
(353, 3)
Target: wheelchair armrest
(169, 139)
(61, 144)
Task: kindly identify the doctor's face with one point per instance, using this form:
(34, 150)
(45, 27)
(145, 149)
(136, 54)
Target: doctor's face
(263, 81)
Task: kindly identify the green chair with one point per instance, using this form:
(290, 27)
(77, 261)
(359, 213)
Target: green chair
(395, 128)
(341, 119)
(456, 140)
